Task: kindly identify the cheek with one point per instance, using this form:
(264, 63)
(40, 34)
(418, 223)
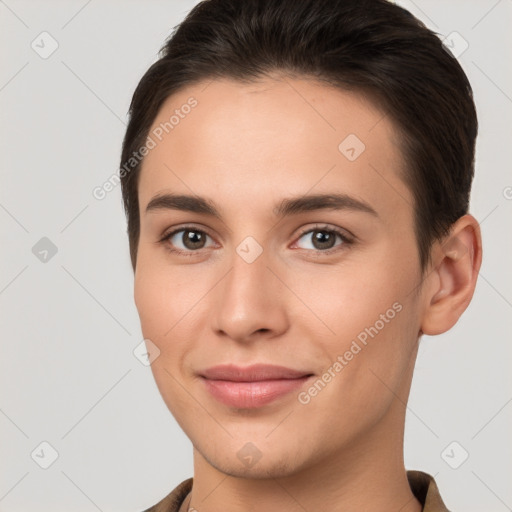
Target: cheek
(150, 300)
(164, 294)
(368, 317)
(166, 299)
(343, 301)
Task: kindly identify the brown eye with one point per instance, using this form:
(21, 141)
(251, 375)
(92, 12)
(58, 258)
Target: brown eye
(323, 239)
(193, 239)
(185, 240)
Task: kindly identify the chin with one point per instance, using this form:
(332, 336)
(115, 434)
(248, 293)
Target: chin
(262, 470)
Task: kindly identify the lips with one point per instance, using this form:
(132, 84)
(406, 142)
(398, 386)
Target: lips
(256, 372)
(253, 386)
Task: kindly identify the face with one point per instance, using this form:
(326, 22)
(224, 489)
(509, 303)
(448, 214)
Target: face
(324, 286)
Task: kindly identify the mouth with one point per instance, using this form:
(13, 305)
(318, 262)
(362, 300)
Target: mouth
(253, 386)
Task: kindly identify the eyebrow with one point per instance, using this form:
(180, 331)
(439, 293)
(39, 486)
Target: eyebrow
(287, 207)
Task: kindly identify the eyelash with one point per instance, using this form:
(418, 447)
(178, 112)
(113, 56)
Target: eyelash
(346, 239)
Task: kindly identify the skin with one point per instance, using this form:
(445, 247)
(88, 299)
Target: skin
(247, 147)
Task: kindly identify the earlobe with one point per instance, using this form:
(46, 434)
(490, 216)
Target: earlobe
(458, 259)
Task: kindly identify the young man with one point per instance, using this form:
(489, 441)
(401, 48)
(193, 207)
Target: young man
(296, 177)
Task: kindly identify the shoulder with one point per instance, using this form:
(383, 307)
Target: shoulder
(422, 484)
(425, 489)
(173, 501)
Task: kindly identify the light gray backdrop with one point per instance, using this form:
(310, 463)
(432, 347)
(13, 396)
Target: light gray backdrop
(74, 399)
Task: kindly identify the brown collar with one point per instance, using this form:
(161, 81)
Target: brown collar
(422, 485)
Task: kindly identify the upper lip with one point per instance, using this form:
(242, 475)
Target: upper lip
(253, 373)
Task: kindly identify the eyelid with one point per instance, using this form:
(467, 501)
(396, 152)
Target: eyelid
(346, 236)
(168, 234)
(175, 229)
(344, 233)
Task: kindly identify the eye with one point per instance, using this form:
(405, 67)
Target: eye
(323, 239)
(186, 240)
(189, 240)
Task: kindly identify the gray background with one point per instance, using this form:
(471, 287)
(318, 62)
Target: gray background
(69, 324)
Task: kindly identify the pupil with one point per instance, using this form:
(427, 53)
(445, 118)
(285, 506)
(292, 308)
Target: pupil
(324, 238)
(192, 239)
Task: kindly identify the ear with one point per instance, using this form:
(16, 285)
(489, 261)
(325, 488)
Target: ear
(451, 284)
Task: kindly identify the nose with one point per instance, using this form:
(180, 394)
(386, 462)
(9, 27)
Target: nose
(250, 302)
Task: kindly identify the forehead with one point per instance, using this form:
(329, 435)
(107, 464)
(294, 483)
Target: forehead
(272, 138)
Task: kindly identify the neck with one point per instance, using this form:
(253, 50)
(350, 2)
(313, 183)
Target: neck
(363, 476)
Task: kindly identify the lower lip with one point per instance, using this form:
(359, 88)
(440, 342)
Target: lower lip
(249, 395)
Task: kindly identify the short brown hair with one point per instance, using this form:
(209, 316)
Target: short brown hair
(369, 46)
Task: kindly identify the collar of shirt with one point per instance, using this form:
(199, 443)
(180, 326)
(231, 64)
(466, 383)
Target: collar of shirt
(422, 484)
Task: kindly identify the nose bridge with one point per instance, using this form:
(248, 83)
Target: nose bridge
(248, 280)
(247, 300)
